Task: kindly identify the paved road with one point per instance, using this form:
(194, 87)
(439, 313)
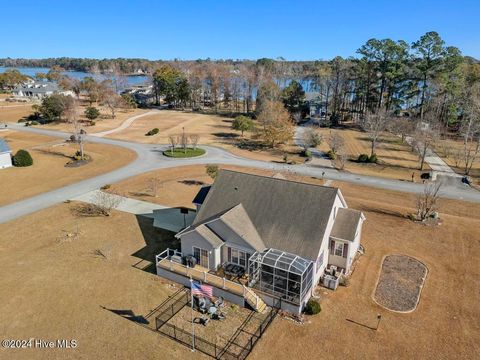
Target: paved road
(150, 158)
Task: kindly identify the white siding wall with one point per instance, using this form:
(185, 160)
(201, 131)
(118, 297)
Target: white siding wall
(326, 240)
(5, 160)
(189, 240)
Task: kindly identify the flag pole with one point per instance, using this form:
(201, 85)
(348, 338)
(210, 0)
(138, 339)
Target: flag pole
(193, 324)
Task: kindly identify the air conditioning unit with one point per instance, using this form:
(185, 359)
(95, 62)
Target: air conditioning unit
(330, 282)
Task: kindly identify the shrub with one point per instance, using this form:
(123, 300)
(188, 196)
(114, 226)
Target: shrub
(363, 158)
(92, 123)
(344, 281)
(313, 307)
(34, 123)
(331, 155)
(373, 158)
(106, 187)
(307, 153)
(22, 121)
(22, 159)
(152, 132)
(91, 113)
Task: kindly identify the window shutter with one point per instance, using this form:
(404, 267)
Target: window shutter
(332, 247)
(345, 250)
(229, 256)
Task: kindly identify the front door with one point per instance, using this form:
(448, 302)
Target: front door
(201, 255)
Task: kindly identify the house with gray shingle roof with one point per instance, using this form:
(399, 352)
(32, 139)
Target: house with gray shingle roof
(281, 234)
(5, 154)
(39, 90)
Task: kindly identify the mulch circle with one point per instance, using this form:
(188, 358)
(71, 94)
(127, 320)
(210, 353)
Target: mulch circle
(400, 283)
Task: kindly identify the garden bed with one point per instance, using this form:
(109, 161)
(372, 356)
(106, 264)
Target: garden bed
(184, 153)
(400, 283)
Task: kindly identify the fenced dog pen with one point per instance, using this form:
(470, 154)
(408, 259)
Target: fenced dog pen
(286, 276)
(237, 347)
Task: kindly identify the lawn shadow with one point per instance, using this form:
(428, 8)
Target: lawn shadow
(392, 213)
(191, 182)
(129, 315)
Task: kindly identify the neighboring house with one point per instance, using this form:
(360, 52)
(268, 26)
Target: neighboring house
(283, 233)
(38, 90)
(5, 155)
(317, 108)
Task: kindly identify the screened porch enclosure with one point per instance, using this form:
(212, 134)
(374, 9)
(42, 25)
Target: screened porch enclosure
(284, 275)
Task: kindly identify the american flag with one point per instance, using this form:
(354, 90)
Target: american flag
(202, 290)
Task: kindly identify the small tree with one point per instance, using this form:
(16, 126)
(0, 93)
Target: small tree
(22, 158)
(106, 202)
(91, 113)
(194, 138)
(310, 138)
(374, 124)
(242, 123)
(154, 186)
(427, 201)
(212, 171)
(173, 139)
(424, 137)
(336, 142)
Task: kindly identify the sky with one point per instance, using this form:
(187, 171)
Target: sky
(246, 29)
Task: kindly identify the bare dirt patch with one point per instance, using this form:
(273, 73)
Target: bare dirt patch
(48, 171)
(400, 283)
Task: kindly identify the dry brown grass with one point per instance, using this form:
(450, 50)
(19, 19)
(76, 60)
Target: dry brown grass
(213, 130)
(48, 171)
(178, 186)
(55, 287)
(396, 160)
(445, 323)
(14, 112)
(103, 123)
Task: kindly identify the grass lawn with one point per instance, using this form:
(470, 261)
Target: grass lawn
(58, 286)
(184, 153)
(48, 171)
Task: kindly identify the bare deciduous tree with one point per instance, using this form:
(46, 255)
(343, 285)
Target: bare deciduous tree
(470, 129)
(340, 161)
(401, 126)
(426, 134)
(336, 142)
(78, 131)
(154, 186)
(194, 138)
(173, 139)
(427, 200)
(374, 124)
(310, 138)
(106, 202)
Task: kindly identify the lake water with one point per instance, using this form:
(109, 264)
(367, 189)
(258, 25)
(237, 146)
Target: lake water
(31, 71)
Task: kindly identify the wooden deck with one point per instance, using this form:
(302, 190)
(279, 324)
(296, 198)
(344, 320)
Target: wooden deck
(200, 273)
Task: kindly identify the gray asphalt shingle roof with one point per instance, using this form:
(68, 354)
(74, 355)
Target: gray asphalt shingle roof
(288, 216)
(346, 223)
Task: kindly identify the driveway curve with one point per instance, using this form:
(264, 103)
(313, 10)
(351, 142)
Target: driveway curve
(150, 157)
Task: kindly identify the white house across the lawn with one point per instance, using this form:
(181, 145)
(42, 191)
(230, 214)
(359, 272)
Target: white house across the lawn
(5, 155)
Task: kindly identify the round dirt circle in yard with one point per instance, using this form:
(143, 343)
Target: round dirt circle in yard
(184, 153)
(400, 283)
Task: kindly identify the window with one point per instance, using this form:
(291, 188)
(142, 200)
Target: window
(338, 249)
(320, 261)
(201, 255)
(238, 257)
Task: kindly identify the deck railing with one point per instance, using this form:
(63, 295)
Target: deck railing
(164, 260)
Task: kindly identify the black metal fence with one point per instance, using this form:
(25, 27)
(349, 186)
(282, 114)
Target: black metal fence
(238, 347)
